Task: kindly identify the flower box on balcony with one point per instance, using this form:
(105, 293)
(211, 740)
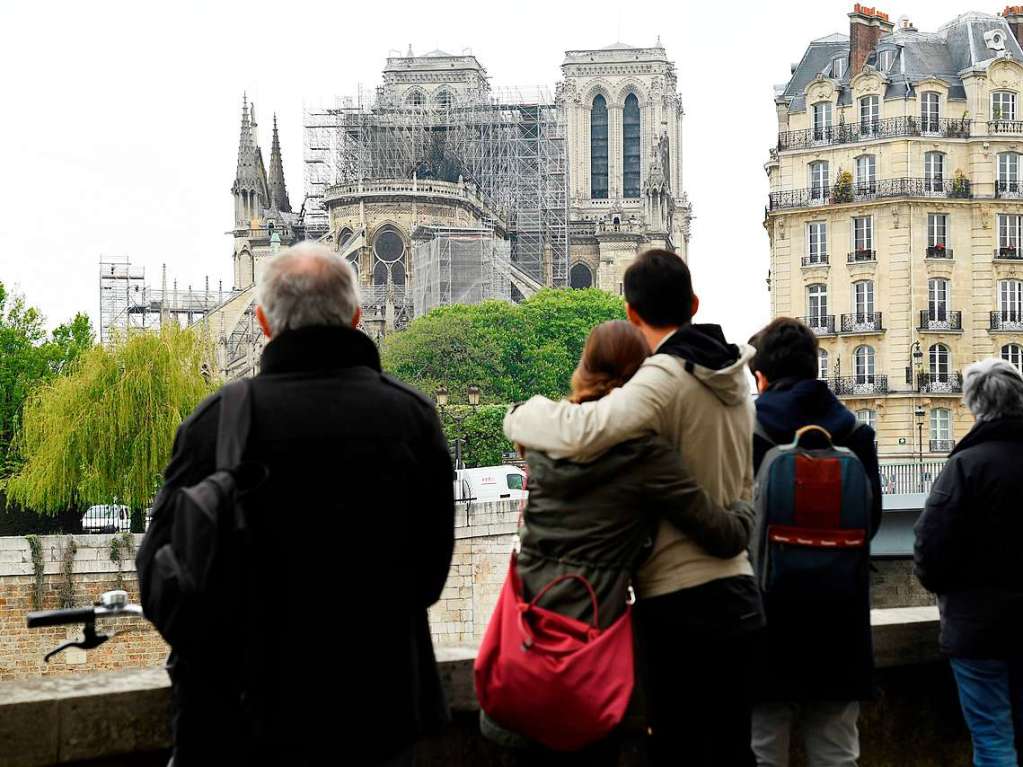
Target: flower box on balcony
(1007, 252)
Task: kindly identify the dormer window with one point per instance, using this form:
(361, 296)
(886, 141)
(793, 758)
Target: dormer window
(838, 68)
(1003, 106)
(885, 59)
(930, 103)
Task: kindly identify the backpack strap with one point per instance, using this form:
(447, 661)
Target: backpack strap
(234, 425)
(760, 431)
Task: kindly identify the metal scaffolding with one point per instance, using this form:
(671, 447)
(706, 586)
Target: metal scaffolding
(509, 145)
(459, 266)
(127, 303)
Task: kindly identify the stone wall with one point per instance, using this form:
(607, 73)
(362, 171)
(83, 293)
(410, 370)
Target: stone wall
(893, 585)
(137, 645)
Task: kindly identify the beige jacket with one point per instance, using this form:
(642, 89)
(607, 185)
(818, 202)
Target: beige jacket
(707, 414)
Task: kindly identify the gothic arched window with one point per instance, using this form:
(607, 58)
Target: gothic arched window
(580, 276)
(598, 149)
(630, 147)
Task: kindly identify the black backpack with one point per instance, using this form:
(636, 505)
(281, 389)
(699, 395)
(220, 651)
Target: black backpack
(192, 560)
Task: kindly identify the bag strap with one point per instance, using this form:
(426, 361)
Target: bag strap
(528, 639)
(234, 425)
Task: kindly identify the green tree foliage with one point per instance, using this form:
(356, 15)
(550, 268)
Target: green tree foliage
(105, 430)
(512, 351)
(482, 431)
(29, 357)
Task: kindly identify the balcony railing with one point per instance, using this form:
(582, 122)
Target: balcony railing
(869, 130)
(1005, 126)
(940, 320)
(818, 259)
(941, 445)
(862, 256)
(939, 383)
(886, 188)
(1007, 319)
(915, 477)
(938, 251)
(862, 322)
(860, 385)
(1009, 190)
(822, 325)
(1009, 253)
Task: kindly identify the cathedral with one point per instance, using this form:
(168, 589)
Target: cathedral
(445, 190)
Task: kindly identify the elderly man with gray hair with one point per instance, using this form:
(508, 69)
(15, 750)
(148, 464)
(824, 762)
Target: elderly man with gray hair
(968, 543)
(350, 537)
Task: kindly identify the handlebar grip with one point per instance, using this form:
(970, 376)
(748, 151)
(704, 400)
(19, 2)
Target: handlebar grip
(61, 617)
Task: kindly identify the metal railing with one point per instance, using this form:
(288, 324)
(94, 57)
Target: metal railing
(1009, 190)
(862, 322)
(946, 320)
(1007, 319)
(819, 259)
(886, 188)
(859, 385)
(942, 445)
(916, 477)
(1009, 253)
(822, 325)
(938, 251)
(862, 256)
(939, 383)
(869, 130)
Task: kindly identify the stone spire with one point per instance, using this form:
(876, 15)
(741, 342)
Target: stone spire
(247, 175)
(278, 191)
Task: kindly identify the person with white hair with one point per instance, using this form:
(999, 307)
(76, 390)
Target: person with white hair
(349, 539)
(968, 543)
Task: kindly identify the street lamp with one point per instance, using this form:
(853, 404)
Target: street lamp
(460, 441)
(919, 412)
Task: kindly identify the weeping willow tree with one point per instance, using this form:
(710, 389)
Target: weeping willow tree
(104, 432)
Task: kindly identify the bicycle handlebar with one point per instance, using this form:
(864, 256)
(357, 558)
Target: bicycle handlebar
(112, 604)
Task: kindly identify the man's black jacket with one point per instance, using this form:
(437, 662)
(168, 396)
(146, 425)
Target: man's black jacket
(968, 543)
(352, 539)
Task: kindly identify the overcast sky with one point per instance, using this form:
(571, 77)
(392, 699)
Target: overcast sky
(119, 122)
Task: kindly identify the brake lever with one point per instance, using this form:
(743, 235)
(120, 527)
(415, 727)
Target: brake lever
(90, 641)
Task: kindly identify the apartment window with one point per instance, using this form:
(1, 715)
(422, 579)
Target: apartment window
(1003, 106)
(817, 305)
(1008, 172)
(870, 114)
(867, 417)
(863, 236)
(885, 59)
(937, 300)
(930, 102)
(863, 364)
(822, 364)
(941, 363)
(838, 68)
(1010, 300)
(866, 174)
(934, 171)
(1013, 354)
(822, 121)
(1009, 231)
(937, 230)
(818, 180)
(598, 149)
(863, 300)
(630, 147)
(817, 245)
(941, 425)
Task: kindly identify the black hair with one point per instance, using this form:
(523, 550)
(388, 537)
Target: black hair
(659, 288)
(786, 348)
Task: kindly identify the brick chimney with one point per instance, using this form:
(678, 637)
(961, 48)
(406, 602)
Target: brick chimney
(866, 27)
(1013, 14)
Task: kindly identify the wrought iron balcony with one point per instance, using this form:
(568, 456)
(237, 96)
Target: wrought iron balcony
(882, 189)
(865, 385)
(1007, 319)
(862, 256)
(816, 259)
(939, 383)
(942, 445)
(1005, 126)
(822, 325)
(862, 322)
(869, 130)
(939, 251)
(1009, 253)
(941, 320)
(1009, 190)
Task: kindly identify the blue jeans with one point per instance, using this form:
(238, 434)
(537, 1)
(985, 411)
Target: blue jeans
(991, 694)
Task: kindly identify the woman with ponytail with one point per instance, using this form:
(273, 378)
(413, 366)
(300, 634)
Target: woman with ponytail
(598, 519)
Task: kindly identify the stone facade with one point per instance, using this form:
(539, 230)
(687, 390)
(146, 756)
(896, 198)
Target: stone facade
(894, 218)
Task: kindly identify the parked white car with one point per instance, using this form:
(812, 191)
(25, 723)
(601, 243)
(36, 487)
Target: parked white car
(490, 483)
(107, 518)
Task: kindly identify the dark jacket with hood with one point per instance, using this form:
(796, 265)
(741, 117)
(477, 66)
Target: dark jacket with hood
(818, 652)
(968, 543)
(352, 535)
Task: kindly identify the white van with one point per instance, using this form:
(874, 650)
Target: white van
(107, 518)
(490, 483)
